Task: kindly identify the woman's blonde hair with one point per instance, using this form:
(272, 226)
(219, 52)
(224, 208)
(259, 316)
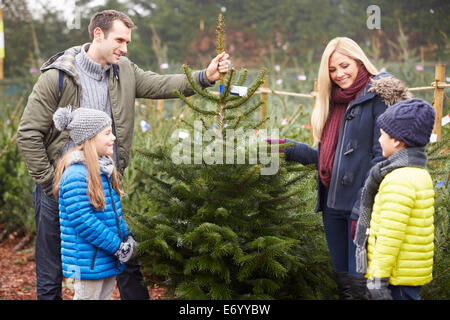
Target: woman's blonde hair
(351, 49)
(95, 186)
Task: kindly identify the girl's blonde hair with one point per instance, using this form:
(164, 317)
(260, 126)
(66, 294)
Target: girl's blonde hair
(95, 186)
(351, 49)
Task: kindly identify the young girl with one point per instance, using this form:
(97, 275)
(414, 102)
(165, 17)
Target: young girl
(95, 242)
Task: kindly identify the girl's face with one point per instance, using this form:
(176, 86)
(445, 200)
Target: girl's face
(104, 142)
(342, 69)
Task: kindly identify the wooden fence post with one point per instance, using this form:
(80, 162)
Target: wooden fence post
(314, 93)
(160, 108)
(438, 100)
(263, 111)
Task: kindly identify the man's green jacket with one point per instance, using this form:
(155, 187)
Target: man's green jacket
(41, 143)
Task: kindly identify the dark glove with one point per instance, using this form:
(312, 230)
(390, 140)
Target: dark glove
(353, 228)
(277, 141)
(379, 289)
(124, 252)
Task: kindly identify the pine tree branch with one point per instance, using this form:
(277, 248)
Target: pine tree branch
(445, 139)
(283, 197)
(259, 124)
(154, 178)
(247, 113)
(204, 124)
(227, 86)
(293, 207)
(439, 157)
(196, 87)
(300, 167)
(231, 98)
(250, 91)
(294, 180)
(244, 115)
(252, 173)
(238, 121)
(187, 123)
(151, 155)
(441, 274)
(242, 77)
(192, 106)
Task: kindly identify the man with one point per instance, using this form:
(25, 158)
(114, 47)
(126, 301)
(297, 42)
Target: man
(95, 75)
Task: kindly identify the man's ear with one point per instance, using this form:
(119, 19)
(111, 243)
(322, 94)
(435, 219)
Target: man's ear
(98, 34)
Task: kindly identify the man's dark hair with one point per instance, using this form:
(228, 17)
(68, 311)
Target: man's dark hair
(104, 20)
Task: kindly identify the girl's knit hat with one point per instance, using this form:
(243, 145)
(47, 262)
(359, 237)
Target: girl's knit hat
(82, 123)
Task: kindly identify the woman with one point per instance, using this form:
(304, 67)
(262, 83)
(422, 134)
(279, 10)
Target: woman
(351, 95)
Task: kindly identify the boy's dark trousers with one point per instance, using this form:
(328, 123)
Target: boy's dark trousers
(48, 255)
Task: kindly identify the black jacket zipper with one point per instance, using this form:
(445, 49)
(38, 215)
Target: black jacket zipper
(116, 216)
(93, 259)
(114, 209)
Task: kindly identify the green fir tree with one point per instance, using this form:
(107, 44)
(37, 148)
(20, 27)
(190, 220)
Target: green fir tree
(439, 168)
(222, 229)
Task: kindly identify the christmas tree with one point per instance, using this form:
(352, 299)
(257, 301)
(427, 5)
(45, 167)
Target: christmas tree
(439, 168)
(226, 221)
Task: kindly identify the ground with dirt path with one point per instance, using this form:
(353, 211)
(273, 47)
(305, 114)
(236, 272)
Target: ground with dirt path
(18, 277)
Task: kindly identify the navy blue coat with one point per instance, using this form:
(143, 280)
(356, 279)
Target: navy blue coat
(357, 151)
(89, 238)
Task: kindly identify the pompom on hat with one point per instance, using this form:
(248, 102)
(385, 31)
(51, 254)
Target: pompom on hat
(82, 123)
(410, 121)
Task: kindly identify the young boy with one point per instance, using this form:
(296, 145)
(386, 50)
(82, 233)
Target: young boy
(395, 230)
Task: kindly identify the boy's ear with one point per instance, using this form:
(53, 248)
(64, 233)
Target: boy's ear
(399, 144)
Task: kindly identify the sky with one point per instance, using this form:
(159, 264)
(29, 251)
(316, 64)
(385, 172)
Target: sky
(66, 6)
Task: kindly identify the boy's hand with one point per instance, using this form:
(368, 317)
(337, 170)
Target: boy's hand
(378, 289)
(220, 64)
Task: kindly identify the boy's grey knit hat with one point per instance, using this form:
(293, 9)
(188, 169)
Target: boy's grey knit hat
(410, 121)
(82, 123)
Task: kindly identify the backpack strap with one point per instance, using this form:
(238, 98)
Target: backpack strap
(116, 71)
(60, 82)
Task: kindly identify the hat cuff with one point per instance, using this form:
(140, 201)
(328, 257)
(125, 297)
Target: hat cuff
(80, 140)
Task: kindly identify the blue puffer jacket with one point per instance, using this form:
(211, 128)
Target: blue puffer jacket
(358, 148)
(89, 238)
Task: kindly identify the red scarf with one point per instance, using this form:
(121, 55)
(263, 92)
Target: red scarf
(340, 99)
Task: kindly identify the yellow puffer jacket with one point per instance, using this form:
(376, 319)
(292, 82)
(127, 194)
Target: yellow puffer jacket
(401, 236)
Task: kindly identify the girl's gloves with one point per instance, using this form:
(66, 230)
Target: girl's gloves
(129, 238)
(125, 251)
